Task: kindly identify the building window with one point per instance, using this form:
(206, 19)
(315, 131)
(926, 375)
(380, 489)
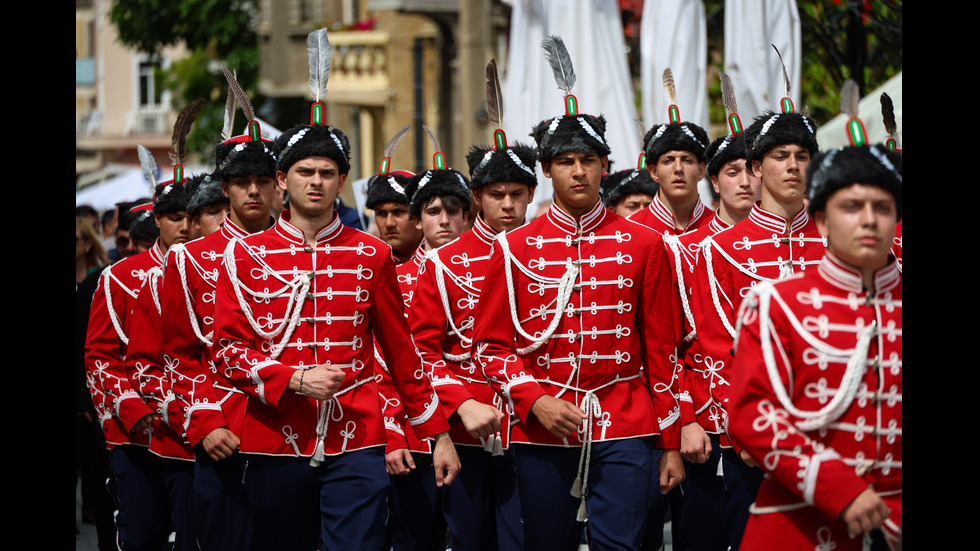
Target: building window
(150, 91)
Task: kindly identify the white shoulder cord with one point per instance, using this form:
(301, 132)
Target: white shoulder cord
(106, 288)
(152, 276)
(565, 286)
(296, 299)
(673, 242)
(713, 285)
(853, 374)
(444, 295)
(180, 255)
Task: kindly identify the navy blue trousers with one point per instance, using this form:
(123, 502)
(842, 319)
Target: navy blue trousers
(180, 486)
(617, 497)
(142, 501)
(417, 523)
(338, 505)
(711, 510)
(220, 503)
(482, 506)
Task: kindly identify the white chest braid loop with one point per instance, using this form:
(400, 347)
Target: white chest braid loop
(565, 284)
(440, 272)
(299, 289)
(152, 277)
(180, 254)
(853, 373)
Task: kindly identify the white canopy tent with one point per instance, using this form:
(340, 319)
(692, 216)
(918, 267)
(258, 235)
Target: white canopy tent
(592, 32)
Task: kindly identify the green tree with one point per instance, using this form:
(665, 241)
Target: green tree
(218, 33)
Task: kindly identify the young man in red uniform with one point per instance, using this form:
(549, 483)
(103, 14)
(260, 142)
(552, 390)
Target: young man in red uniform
(628, 191)
(482, 508)
(140, 491)
(210, 410)
(147, 359)
(386, 196)
(817, 385)
(296, 317)
(576, 335)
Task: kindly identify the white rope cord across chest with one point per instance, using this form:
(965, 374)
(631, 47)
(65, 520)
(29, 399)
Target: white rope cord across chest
(674, 243)
(180, 255)
(566, 285)
(153, 283)
(440, 273)
(853, 373)
(299, 289)
(107, 290)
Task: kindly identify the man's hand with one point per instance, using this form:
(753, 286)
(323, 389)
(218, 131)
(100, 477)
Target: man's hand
(144, 423)
(559, 417)
(867, 512)
(695, 443)
(444, 460)
(671, 470)
(747, 459)
(320, 382)
(399, 461)
(220, 443)
(481, 420)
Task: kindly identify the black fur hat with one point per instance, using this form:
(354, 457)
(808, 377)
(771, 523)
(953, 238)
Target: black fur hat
(570, 133)
(512, 164)
(723, 150)
(142, 226)
(616, 186)
(683, 136)
(239, 156)
(205, 194)
(170, 197)
(302, 141)
(772, 129)
(436, 183)
(390, 188)
(874, 165)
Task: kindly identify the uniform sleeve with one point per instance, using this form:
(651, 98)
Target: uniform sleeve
(195, 402)
(399, 352)
(391, 407)
(112, 393)
(429, 321)
(760, 424)
(495, 342)
(236, 351)
(659, 317)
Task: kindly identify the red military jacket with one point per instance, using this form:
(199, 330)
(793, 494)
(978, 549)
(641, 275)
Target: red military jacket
(285, 305)
(396, 422)
(694, 395)
(116, 400)
(578, 310)
(442, 318)
(817, 402)
(203, 401)
(147, 363)
(897, 245)
(730, 264)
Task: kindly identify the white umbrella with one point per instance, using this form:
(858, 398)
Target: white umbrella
(592, 32)
(751, 28)
(673, 34)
